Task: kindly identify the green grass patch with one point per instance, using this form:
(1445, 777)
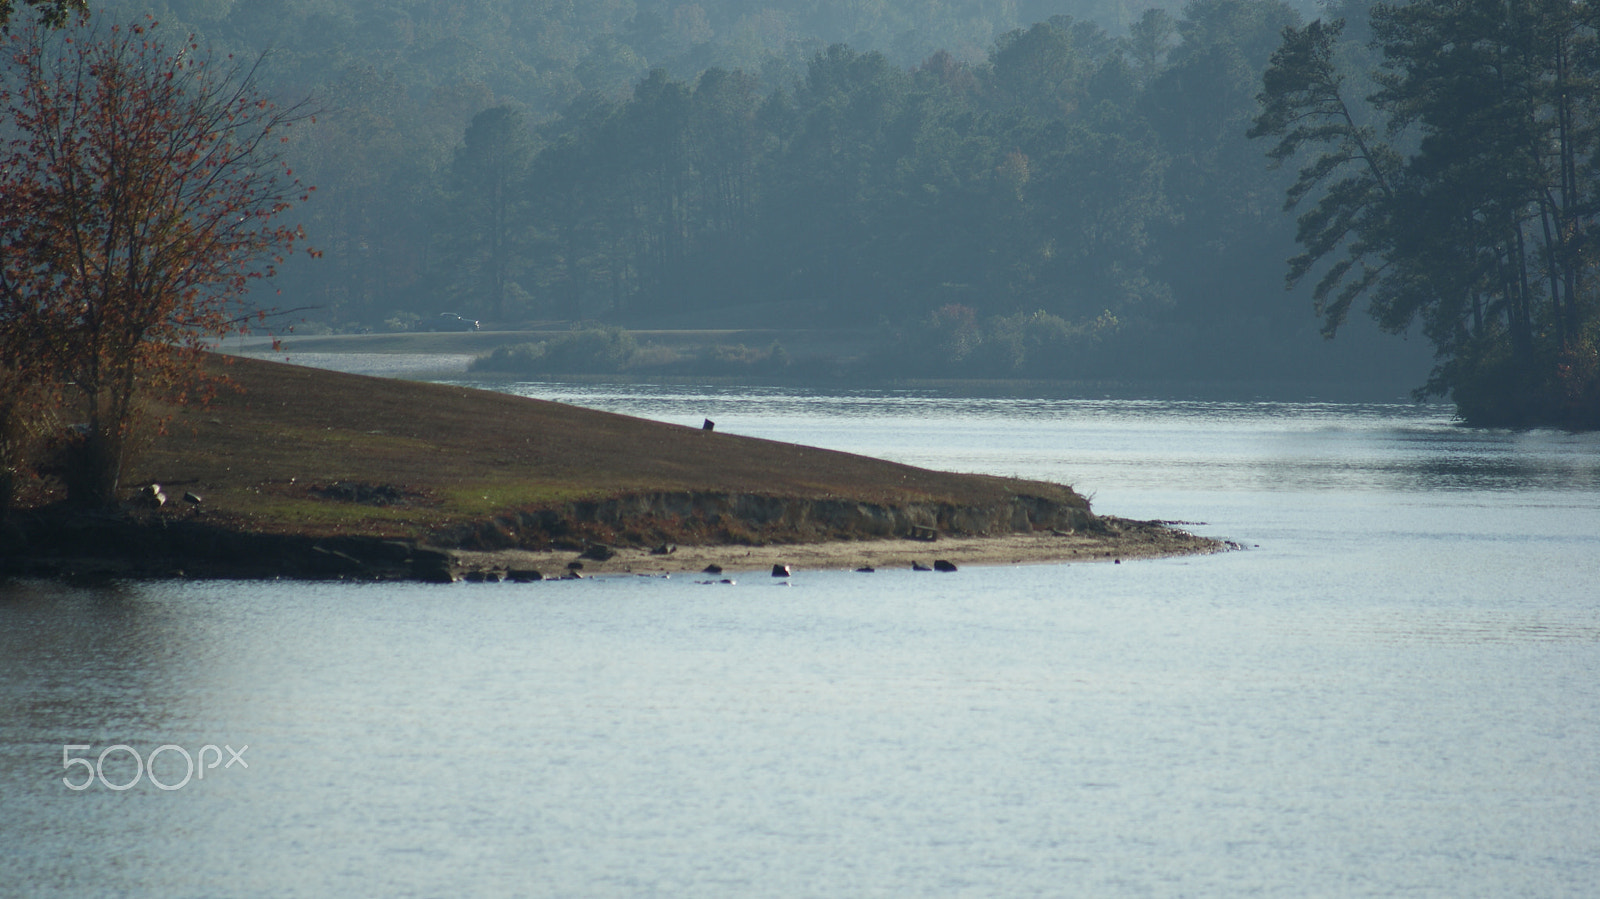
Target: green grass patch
(484, 499)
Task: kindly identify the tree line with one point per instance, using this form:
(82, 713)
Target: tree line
(1073, 156)
(1451, 177)
(1071, 202)
(1089, 196)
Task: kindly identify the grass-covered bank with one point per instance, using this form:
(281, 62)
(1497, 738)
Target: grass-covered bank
(343, 472)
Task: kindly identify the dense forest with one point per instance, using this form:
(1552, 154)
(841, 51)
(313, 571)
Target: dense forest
(1036, 188)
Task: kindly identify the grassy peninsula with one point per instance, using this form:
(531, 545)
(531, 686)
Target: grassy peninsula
(306, 472)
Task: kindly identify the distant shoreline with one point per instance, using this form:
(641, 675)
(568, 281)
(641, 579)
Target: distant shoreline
(447, 356)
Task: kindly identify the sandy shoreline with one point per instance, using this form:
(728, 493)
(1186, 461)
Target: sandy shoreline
(125, 550)
(1124, 540)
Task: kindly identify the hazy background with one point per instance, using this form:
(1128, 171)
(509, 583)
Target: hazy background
(1030, 189)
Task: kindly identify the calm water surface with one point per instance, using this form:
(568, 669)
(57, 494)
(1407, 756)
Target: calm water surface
(1395, 691)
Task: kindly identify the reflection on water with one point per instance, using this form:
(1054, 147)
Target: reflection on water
(1397, 691)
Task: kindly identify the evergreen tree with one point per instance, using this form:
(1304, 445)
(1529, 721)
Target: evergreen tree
(1481, 233)
(490, 210)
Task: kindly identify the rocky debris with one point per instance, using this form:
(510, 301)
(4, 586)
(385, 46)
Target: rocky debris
(193, 499)
(433, 566)
(150, 497)
(665, 549)
(780, 571)
(598, 552)
(918, 566)
(713, 568)
(943, 565)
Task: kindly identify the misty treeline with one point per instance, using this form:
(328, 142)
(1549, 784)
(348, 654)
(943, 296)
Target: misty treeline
(1048, 197)
(1066, 204)
(991, 188)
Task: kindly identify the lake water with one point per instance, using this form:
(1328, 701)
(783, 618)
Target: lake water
(1394, 692)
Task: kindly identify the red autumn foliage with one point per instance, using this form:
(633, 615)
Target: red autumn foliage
(142, 188)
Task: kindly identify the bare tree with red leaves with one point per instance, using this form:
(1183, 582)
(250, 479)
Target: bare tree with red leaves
(142, 188)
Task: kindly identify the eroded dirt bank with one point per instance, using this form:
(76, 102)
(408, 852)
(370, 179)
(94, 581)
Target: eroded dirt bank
(713, 517)
(647, 533)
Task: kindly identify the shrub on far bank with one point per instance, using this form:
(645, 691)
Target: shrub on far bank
(736, 360)
(403, 322)
(591, 351)
(610, 350)
(953, 342)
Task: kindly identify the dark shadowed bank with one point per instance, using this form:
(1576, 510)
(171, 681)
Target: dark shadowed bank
(306, 473)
